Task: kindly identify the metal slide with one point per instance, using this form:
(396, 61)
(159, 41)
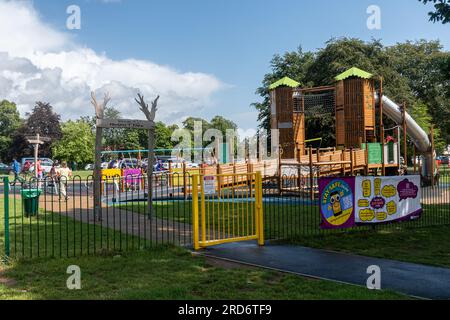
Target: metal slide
(418, 136)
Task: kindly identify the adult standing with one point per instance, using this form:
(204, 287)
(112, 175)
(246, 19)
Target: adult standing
(64, 174)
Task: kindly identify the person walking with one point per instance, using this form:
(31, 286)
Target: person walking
(16, 169)
(64, 174)
(53, 174)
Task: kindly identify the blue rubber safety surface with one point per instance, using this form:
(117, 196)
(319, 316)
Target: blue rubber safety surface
(412, 279)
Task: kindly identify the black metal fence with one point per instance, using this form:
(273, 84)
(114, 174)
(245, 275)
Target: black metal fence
(294, 212)
(54, 226)
(61, 221)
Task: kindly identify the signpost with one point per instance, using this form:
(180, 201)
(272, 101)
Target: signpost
(36, 141)
(101, 123)
(124, 124)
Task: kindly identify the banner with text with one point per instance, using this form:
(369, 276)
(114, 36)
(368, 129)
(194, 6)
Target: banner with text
(386, 199)
(337, 202)
(349, 201)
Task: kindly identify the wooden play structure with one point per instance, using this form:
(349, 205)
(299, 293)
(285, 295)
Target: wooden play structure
(356, 102)
(360, 147)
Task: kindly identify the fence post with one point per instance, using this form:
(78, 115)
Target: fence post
(195, 210)
(6, 205)
(202, 208)
(184, 181)
(259, 209)
(311, 174)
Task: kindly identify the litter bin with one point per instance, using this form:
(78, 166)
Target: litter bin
(30, 200)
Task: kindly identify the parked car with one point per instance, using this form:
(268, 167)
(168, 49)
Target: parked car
(444, 160)
(192, 165)
(45, 164)
(128, 163)
(32, 160)
(89, 167)
(5, 169)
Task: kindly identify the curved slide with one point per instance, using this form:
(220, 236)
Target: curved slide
(418, 136)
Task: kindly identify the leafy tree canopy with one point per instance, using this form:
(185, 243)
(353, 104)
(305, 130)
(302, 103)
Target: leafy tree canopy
(441, 10)
(9, 122)
(43, 121)
(77, 143)
(412, 72)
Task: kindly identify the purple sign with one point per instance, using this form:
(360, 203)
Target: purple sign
(132, 176)
(336, 202)
(377, 203)
(407, 189)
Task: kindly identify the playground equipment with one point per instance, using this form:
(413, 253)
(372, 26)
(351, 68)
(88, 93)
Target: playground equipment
(361, 145)
(420, 139)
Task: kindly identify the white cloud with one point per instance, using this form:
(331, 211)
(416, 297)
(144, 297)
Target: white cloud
(40, 63)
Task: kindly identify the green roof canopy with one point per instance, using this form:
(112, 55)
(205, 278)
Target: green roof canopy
(354, 72)
(286, 81)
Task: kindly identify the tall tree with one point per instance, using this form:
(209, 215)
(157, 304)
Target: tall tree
(9, 122)
(222, 124)
(441, 10)
(412, 71)
(77, 142)
(42, 120)
(113, 137)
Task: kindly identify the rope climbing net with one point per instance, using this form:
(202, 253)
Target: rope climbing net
(315, 104)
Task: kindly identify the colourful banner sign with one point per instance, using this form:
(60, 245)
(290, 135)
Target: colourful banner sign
(345, 202)
(387, 199)
(132, 176)
(337, 202)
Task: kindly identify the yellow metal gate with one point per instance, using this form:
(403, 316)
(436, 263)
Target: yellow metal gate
(227, 208)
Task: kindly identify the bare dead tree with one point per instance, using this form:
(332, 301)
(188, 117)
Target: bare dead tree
(99, 112)
(150, 115)
(100, 108)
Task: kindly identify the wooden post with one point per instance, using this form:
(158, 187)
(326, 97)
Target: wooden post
(414, 160)
(351, 162)
(150, 115)
(405, 147)
(432, 154)
(219, 179)
(367, 158)
(98, 173)
(280, 178)
(383, 160)
(311, 174)
(398, 148)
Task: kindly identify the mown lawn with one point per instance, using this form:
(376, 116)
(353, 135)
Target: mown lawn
(156, 273)
(166, 273)
(83, 174)
(423, 241)
(50, 234)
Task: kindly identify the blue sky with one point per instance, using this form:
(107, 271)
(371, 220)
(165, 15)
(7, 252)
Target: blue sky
(232, 40)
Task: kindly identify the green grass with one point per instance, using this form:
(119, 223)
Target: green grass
(167, 273)
(428, 245)
(158, 273)
(83, 174)
(423, 241)
(54, 235)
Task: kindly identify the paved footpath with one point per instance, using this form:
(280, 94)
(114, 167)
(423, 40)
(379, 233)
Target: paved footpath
(408, 278)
